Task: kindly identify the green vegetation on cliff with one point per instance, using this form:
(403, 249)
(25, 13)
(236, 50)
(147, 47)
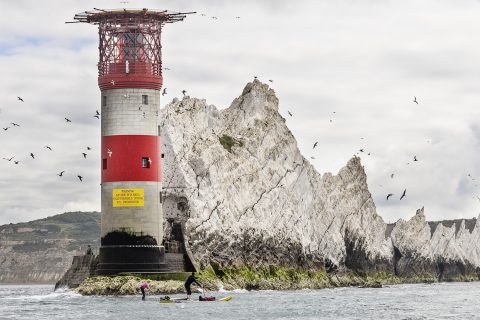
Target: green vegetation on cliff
(273, 278)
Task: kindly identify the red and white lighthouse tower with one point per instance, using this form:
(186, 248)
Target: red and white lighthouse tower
(130, 79)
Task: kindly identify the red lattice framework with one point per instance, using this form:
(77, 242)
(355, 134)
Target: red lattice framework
(129, 45)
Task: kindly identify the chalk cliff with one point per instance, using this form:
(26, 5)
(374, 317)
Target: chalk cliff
(249, 198)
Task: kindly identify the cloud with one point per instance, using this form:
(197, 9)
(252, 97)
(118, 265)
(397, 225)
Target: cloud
(362, 60)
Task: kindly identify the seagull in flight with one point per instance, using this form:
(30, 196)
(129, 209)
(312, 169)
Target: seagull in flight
(164, 92)
(361, 150)
(389, 195)
(391, 176)
(32, 155)
(20, 99)
(88, 148)
(315, 144)
(9, 159)
(96, 116)
(14, 124)
(166, 68)
(313, 158)
(109, 152)
(415, 158)
(16, 162)
(80, 177)
(6, 128)
(84, 155)
(415, 100)
(112, 82)
(61, 173)
(403, 194)
(290, 114)
(97, 113)
(271, 81)
(68, 120)
(184, 92)
(47, 147)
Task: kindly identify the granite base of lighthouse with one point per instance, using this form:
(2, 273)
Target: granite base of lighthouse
(123, 252)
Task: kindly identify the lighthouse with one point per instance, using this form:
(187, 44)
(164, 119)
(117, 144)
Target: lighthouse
(130, 80)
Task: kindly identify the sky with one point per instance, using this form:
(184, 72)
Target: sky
(347, 70)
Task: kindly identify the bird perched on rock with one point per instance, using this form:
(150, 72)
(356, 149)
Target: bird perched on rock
(389, 195)
(184, 92)
(403, 194)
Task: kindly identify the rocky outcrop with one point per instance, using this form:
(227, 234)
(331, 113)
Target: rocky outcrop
(249, 198)
(82, 267)
(450, 251)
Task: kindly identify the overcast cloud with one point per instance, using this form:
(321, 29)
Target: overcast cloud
(363, 60)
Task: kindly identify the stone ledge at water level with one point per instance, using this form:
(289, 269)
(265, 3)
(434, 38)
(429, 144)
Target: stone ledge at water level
(278, 279)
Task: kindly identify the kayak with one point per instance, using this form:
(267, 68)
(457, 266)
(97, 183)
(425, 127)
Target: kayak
(226, 298)
(184, 300)
(168, 300)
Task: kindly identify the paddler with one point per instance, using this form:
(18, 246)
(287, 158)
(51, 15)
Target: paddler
(143, 286)
(188, 283)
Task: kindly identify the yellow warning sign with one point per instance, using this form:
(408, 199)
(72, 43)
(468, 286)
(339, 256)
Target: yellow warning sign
(128, 198)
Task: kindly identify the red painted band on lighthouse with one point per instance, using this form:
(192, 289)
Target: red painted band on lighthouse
(131, 158)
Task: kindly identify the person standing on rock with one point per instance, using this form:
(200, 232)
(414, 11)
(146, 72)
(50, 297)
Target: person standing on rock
(188, 283)
(143, 286)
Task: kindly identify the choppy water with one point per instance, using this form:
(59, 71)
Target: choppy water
(429, 301)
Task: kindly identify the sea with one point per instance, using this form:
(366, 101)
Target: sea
(414, 301)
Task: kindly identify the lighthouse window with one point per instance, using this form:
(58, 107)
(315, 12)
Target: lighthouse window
(104, 101)
(104, 164)
(144, 99)
(146, 162)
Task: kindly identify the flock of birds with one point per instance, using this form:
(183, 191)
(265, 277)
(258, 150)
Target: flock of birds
(389, 195)
(49, 148)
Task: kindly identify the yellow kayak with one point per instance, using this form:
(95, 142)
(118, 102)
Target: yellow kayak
(226, 298)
